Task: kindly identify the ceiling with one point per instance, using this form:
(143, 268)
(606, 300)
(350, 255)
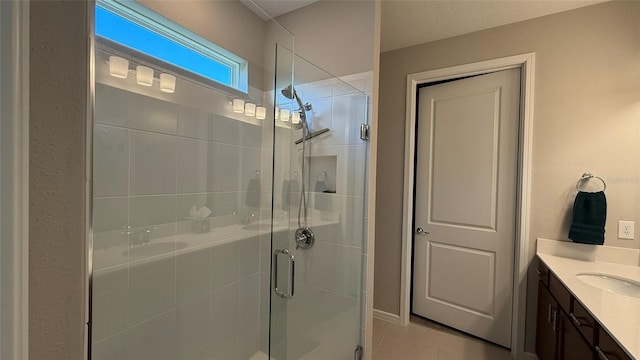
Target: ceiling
(275, 8)
(411, 22)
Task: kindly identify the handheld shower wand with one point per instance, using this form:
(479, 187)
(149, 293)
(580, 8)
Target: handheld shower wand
(304, 235)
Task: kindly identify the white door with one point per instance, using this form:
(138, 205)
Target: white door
(466, 163)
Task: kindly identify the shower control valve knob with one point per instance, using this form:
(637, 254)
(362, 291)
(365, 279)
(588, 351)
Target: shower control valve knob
(304, 238)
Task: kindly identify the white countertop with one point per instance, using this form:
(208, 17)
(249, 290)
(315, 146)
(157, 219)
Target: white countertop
(618, 314)
(117, 256)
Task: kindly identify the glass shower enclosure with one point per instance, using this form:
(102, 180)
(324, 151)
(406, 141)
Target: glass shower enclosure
(197, 208)
(317, 298)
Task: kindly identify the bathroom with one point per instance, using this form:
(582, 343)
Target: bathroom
(152, 180)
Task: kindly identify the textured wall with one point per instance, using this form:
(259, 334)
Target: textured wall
(58, 97)
(587, 105)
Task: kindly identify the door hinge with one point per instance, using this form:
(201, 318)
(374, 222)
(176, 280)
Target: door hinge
(364, 132)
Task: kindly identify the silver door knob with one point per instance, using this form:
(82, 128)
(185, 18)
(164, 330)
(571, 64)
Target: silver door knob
(421, 231)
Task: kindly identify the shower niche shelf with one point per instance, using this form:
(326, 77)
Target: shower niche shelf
(322, 173)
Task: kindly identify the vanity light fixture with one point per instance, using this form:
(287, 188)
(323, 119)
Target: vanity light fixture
(261, 112)
(250, 109)
(118, 67)
(167, 83)
(295, 117)
(144, 75)
(284, 115)
(238, 106)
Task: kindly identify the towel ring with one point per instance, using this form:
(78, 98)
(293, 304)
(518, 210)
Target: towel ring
(256, 174)
(586, 176)
(322, 176)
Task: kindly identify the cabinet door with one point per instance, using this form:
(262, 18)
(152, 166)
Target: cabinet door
(546, 339)
(609, 348)
(571, 345)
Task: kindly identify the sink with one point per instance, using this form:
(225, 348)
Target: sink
(611, 283)
(154, 249)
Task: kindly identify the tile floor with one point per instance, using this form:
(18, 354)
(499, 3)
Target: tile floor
(426, 340)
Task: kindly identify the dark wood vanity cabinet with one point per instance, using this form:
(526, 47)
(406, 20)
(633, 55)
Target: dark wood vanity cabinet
(608, 348)
(556, 336)
(571, 345)
(546, 339)
(565, 330)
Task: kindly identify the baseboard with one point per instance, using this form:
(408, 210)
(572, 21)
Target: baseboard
(529, 356)
(383, 315)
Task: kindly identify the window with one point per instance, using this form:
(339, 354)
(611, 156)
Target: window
(138, 28)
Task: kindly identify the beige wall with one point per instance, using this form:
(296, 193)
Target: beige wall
(334, 35)
(586, 118)
(58, 100)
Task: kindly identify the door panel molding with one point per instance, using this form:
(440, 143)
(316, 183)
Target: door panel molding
(454, 140)
(522, 254)
(442, 293)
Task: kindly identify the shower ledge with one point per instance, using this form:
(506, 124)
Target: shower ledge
(193, 242)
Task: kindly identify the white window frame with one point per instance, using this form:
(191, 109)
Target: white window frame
(145, 17)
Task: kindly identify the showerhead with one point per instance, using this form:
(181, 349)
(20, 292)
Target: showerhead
(289, 92)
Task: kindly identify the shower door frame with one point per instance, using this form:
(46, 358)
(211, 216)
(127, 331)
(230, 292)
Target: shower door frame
(365, 297)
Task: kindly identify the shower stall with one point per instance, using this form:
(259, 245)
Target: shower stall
(228, 219)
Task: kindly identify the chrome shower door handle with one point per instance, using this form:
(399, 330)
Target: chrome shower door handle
(292, 274)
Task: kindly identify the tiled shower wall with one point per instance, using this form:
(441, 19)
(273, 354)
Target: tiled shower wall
(153, 161)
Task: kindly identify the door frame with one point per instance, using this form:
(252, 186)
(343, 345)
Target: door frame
(523, 197)
(14, 257)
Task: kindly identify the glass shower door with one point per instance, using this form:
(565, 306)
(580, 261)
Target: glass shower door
(182, 199)
(319, 185)
(196, 207)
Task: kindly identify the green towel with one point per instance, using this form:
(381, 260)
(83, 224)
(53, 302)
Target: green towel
(589, 217)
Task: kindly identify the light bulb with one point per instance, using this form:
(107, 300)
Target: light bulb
(284, 115)
(167, 83)
(118, 67)
(250, 109)
(238, 106)
(276, 113)
(144, 75)
(295, 117)
(261, 112)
